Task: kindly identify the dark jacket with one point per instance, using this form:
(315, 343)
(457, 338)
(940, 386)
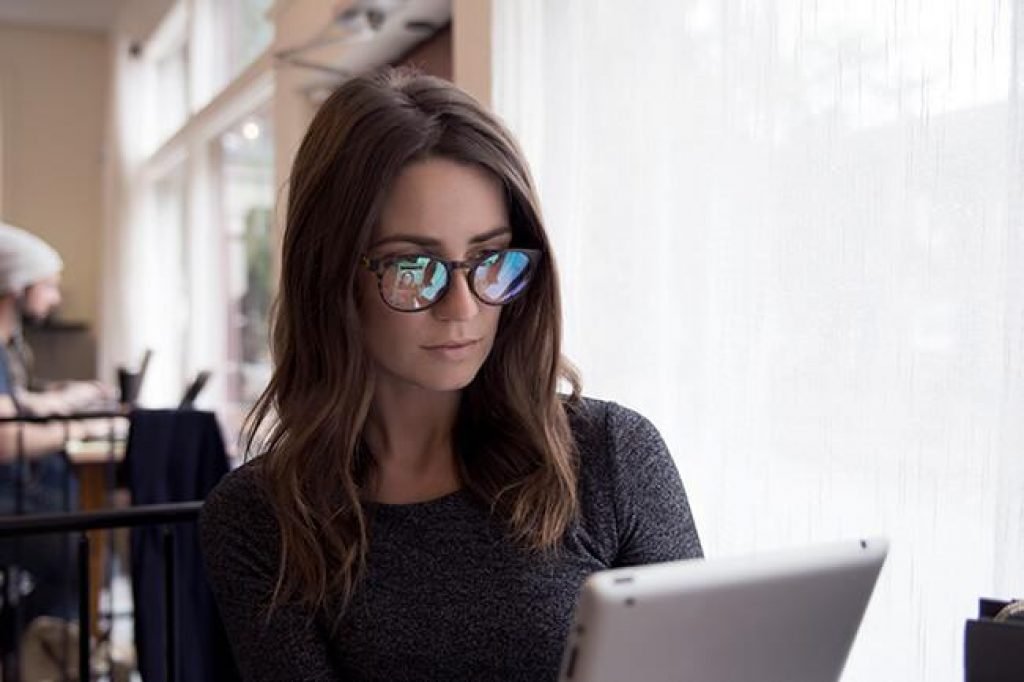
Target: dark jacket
(175, 456)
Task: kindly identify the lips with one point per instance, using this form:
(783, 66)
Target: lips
(453, 345)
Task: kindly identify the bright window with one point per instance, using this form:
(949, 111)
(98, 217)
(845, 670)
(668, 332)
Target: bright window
(166, 80)
(246, 31)
(172, 85)
(231, 35)
(199, 205)
(244, 161)
(164, 300)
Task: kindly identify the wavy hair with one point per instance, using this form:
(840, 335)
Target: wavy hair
(512, 439)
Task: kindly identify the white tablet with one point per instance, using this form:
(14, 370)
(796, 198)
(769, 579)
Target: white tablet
(788, 616)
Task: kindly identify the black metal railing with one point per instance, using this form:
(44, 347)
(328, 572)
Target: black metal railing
(21, 459)
(82, 522)
(10, 616)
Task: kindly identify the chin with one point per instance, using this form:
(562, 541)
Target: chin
(447, 382)
(444, 377)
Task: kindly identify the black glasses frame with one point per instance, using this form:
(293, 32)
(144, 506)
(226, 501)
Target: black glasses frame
(379, 265)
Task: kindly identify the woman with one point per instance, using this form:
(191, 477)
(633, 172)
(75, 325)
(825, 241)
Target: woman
(427, 505)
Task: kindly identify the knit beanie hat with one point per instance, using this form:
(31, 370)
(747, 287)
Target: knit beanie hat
(24, 260)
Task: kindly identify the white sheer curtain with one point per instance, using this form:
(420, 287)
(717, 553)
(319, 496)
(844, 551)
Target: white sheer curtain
(791, 233)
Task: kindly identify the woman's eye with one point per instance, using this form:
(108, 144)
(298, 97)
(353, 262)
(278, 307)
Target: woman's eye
(485, 254)
(406, 259)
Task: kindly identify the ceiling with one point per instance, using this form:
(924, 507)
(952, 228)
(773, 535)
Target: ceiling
(88, 15)
(100, 15)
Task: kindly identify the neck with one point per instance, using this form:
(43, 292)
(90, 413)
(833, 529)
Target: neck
(409, 432)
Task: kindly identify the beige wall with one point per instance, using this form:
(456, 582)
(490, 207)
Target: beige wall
(53, 102)
(471, 47)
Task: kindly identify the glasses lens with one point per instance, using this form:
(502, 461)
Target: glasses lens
(413, 283)
(502, 276)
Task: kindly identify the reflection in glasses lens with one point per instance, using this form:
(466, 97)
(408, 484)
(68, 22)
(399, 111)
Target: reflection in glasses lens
(502, 276)
(411, 283)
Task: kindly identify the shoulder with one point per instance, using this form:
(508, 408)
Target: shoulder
(238, 504)
(243, 486)
(631, 478)
(592, 411)
(617, 448)
(606, 426)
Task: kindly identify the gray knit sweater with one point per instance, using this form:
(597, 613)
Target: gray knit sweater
(446, 596)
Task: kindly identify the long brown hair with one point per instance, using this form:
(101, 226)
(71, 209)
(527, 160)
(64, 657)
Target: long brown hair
(514, 446)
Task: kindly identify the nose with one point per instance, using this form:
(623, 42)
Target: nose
(458, 303)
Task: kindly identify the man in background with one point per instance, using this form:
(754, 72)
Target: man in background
(30, 272)
(35, 476)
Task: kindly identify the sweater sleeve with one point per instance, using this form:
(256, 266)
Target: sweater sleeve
(652, 511)
(240, 544)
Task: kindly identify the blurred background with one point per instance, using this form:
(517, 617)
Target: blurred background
(791, 232)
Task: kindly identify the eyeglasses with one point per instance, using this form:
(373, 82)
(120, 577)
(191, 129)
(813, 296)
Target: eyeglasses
(416, 282)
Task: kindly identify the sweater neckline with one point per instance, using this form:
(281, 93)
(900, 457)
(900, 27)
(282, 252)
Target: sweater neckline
(433, 504)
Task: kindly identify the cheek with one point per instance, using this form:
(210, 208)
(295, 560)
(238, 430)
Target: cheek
(491, 316)
(373, 314)
(388, 334)
(42, 297)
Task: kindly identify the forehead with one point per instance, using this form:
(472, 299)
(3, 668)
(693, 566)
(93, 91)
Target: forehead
(442, 200)
(48, 281)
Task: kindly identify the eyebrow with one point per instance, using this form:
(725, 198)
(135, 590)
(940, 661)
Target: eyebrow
(429, 241)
